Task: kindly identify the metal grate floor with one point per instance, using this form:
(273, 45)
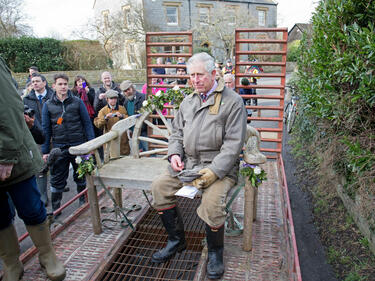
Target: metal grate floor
(133, 259)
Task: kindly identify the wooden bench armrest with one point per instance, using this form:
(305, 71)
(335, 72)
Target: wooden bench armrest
(117, 130)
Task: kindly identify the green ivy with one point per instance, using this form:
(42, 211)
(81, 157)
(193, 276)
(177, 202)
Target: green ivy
(336, 85)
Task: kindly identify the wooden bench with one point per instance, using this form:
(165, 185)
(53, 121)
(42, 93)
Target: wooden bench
(138, 172)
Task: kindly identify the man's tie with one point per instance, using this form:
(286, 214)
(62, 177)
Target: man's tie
(204, 97)
(40, 99)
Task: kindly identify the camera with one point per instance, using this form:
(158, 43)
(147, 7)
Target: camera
(28, 111)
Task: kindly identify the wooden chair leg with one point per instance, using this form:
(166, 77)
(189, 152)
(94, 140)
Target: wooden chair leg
(249, 216)
(117, 194)
(94, 205)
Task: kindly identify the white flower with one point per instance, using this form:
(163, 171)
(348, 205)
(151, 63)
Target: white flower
(78, 160)
(176, 88)
(158, 93)
(145, 103)
(257, 170)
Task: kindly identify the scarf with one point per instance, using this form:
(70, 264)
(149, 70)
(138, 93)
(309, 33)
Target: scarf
(82, 93)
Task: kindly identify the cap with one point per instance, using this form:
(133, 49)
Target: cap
(111, 94)
(125, 85)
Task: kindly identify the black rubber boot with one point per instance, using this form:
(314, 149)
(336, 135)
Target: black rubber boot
(82, 199)
(56, 198)
(215, 245)
(172, 222)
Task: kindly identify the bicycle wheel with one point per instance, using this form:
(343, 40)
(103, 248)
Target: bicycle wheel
(291, 118)
(286, 112)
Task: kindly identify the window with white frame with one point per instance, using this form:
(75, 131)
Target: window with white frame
(261, 18)
(126, 11)
(204, 15)
(131, 53)
(172, 15)
(105, 15)
(231, 14)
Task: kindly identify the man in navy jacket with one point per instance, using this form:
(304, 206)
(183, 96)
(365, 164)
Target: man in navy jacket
(65, 120)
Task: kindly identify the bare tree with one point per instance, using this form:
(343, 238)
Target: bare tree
(116, 31)
(11, 19)
(218, 28)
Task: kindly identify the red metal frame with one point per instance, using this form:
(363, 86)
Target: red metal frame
(187, 41)
(289, 225)
(154, 41)
(269, 34)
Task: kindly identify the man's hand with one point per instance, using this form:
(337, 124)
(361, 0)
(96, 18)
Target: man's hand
(176, 163)
(45, 157)
(208, 177)
(29, 120)
(5, 171)
(102, 96)
(109, 115)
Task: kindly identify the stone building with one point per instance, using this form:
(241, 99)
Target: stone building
(297, 31)
(212, 22)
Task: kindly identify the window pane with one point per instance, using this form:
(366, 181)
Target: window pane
(204, 15)
(261, 18)
(171, 15)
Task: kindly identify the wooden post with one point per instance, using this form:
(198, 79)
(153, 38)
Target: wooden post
(117, 194)
(94, 205)
(249, 215)
(255, 203)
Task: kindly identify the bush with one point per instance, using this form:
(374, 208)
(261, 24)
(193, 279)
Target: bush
(336, 84)
(84, 55)
(293, 50)
(21, 53)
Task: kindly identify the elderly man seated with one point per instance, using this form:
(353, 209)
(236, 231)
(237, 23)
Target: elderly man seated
(208, 134)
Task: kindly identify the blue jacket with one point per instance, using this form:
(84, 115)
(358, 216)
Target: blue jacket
(76, 127)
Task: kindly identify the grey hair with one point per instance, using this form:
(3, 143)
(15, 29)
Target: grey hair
(206, 59)
(229, 75)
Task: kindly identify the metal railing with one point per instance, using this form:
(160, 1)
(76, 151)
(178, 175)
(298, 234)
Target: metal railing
(267, 48)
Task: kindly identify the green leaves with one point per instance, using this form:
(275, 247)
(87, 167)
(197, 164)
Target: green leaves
(254, 173)
(21, 53)
(336, 70)
(172, 96)
(85, 165)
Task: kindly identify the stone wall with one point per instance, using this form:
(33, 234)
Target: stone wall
(93, 76)
(353, 207)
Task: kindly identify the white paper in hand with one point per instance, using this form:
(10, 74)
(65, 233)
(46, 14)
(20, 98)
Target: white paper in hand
(188, 191)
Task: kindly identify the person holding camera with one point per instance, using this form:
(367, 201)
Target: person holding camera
(20, 160)
(109, 115)
(35, 128)
(34, 101)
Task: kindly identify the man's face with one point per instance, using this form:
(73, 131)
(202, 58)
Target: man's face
(129, 92)
(229, 83)
(201, 80)
(61, 86)
(112, 101)
(38, 84)
(31, 71)
(181, 71)
(106, 79)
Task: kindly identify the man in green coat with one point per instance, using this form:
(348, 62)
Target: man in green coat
(20, 160)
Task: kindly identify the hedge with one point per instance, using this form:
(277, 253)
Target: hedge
(337, 101)
(21, 53)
